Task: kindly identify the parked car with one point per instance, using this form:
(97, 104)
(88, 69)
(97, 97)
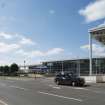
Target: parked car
(69, 79)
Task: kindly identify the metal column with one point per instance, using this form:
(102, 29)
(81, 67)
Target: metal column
(62, 66)
(90, 54)
(79, 67)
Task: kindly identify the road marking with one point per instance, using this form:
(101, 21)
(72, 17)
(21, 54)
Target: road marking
(3, 103)
(78, 88)
(18, 87)
(60, 96)
(55, 87)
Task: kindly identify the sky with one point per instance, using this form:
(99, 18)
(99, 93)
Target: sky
(43, 30)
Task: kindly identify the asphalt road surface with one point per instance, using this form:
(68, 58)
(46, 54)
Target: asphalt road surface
(45, 92)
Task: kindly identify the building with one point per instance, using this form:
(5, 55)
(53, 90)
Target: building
(38, 68)
(77, 66)
(90, 66)
(98, 33)
(87, 66)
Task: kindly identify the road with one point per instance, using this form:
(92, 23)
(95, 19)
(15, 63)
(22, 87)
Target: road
(45, 92)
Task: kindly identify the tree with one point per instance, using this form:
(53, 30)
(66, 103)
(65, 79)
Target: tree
(14, 68)
(1, 69)
(6, 70)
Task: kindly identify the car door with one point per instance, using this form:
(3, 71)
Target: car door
(67, 79)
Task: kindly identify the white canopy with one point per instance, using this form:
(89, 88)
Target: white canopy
(98, 33)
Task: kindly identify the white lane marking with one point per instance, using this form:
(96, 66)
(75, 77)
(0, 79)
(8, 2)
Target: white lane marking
(60, 96)
(18, 87)
(55, 87)
(81, 88)
(3, 103)
(78, 88)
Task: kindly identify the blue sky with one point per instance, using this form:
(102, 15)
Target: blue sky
(39, 30)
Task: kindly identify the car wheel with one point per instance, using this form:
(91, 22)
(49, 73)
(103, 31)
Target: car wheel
(57, 82)
(73, 84)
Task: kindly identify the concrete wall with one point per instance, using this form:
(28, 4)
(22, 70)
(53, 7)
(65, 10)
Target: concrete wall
(94, 79)
(100, 79)
(89, 79)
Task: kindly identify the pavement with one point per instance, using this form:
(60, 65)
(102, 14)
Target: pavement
(43, 91)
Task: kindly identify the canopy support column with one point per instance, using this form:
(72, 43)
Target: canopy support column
(90, 54)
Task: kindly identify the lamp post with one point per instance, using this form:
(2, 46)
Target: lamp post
(90, 54)
(62, 67)
(78, 63)
(24, 65)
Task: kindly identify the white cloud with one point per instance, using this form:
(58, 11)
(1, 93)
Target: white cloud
(94, 11)
(54, 51)
(21, 39)
(5, 48)
(52, 11)
(26, 41)
(98, 50)
(102, 25)
(3, 62)
(32, 53)
(13, 48)
(5, 35)
(37, 53)
(12, 41)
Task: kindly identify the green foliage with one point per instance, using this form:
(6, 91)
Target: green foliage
(1, 69)
(14, 68)
(6, 70)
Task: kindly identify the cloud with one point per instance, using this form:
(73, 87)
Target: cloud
(101, 25)
(13, 41)
(98, 50)
(37, 53)
(26, 41)
(51, 11)
(5, 35)
(54, 51)
(94, 11)
(20, 39)
(5, 48)
(14, 48)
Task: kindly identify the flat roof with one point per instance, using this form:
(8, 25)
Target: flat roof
(100, 27)
(98, 33)
(72, 59)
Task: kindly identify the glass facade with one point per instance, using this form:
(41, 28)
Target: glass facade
(77, 66)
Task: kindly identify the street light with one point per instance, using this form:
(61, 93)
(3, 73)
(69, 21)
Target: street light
(79, 67)
(62, 67)
(24, 65)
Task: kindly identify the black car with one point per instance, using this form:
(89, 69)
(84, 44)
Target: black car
(69, 79)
